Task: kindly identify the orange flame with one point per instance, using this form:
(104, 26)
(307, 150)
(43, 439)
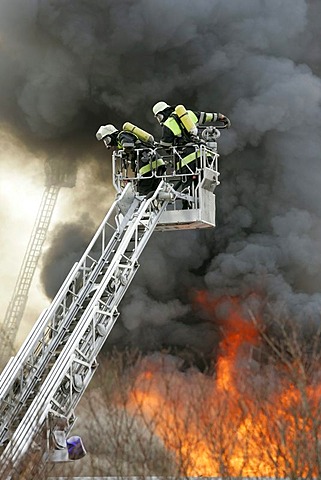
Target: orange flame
(234, 424)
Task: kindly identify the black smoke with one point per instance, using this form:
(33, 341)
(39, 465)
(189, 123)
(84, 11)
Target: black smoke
(68, 67)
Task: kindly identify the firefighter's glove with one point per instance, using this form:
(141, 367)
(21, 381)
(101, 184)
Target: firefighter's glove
(227, 122)
(195, 139)
(224, 119)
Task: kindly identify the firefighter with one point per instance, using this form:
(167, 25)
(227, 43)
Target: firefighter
(141, 163)
(183, 135)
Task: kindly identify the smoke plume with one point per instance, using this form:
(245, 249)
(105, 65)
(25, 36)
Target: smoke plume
(68, 67)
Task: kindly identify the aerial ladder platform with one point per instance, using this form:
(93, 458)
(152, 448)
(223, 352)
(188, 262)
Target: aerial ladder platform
(42, 384)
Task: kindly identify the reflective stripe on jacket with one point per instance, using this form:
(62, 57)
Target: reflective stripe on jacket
(151, 166)
(191, 157)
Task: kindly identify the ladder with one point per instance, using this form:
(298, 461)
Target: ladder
(55, 178)
(19, 297)
(41, 386)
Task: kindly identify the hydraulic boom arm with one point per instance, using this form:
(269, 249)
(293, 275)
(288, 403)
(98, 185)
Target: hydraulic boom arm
(58, 359)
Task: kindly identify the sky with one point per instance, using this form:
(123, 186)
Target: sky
(69, 67)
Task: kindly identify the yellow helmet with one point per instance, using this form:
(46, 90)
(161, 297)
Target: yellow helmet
(159, 107)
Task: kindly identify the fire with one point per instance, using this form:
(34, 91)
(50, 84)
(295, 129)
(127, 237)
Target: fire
(239, 423)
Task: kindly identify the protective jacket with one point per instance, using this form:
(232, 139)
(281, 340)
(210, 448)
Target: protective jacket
(145, 162)
(129, 142)
(174, 135)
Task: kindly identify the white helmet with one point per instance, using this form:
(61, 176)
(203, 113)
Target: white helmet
(159, 107)
(105, 130)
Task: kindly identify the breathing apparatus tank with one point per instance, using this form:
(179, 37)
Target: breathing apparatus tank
(186, 120)
(141, 134)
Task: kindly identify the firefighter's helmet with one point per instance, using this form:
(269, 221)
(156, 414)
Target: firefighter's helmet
(159, 107)
(105, 130)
